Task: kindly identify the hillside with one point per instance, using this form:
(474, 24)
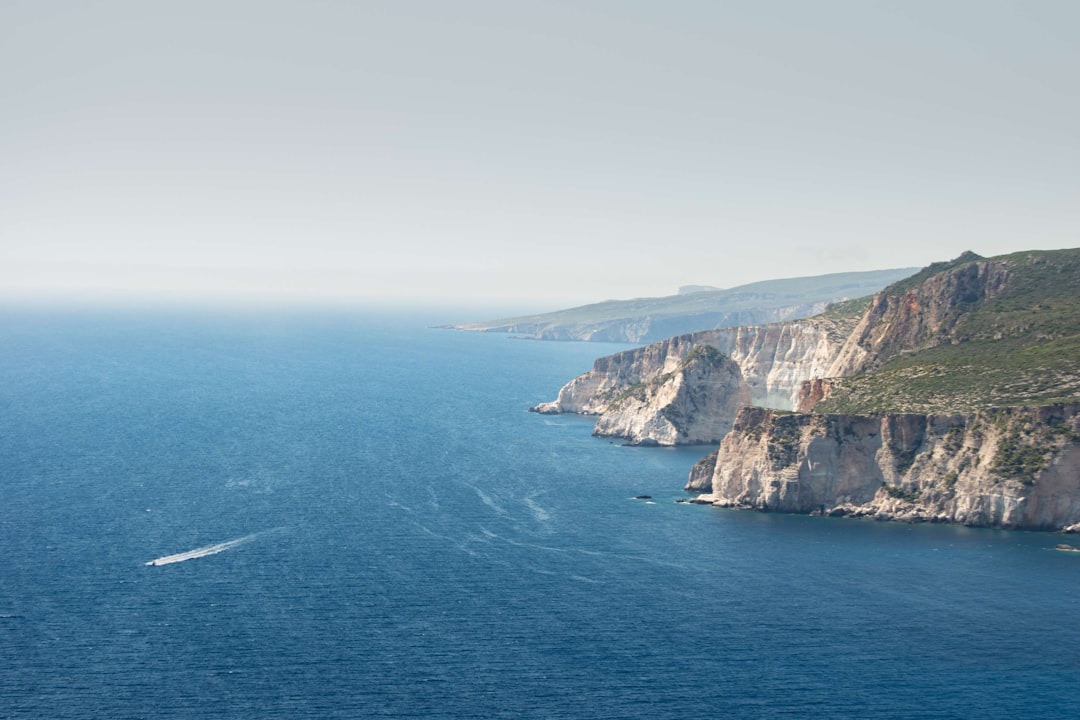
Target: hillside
(977, 333)
(645, 320)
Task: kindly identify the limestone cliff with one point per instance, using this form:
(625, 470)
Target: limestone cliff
(693, 404)
(961, 336)
(772, 362)
(591, 393)
(776, 359)
(952, 396)
(1015, 467)
(904, 319)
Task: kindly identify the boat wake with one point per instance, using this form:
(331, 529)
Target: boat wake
(203, 551)
(538, 512)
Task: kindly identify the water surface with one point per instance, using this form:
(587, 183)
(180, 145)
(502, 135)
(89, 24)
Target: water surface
(369, 524)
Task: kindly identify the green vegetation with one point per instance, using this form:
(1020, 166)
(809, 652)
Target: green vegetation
(840, 318)
(708, 352)
(639, 392)
(1018, 347)
(784, 439)
(905, 458)
(1042, 301)
(913, 281)
(900, 493)
(846, 309)
(1025, 447)
(965, 377)
(954, 439)
(1019, 460)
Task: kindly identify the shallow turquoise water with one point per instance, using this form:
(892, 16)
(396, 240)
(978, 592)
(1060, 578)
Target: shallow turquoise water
(417, 545)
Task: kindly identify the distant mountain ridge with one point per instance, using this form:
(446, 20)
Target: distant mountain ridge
(645, 320)
(689, 289)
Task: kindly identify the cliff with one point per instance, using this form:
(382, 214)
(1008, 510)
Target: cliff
(903, 320)
(951, 396)
(772, 362)
(1015, 467)
(961, 336)
(693, 404)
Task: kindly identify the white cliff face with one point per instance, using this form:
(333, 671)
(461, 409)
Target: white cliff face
(1009, 467)
(591, 393)
(774, 359)
(773, 362)
(693, 404)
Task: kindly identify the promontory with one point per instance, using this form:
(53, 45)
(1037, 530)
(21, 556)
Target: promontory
(950, 396)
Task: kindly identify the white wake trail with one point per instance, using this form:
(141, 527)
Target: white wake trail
(203, 551)
(538, 512)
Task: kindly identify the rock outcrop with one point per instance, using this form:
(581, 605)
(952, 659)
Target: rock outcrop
(1015, 467)
(923, 316)
(952, 396)
(593, 392)
(674, 393)
(772, 361)
(693, 404)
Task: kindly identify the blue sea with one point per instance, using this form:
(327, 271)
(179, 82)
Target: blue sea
(355, 516)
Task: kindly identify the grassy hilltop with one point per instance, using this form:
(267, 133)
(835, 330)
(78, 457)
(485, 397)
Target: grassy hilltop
(1017, 344)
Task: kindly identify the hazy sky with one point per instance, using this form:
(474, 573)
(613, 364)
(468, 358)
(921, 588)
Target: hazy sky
(524, 154)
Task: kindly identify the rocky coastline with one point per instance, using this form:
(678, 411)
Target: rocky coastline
(1016, 467)
(760, 392)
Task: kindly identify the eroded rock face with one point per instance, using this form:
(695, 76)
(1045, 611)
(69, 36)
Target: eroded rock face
(922, 317)
(1008, 467)
(772, 360)
(776, 359)
(693, 404)
(591, 393)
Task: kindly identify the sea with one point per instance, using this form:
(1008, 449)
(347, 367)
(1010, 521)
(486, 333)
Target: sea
(345, 514)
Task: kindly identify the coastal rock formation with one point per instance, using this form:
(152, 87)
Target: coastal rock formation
(776, 359)
(1015, 467)
(772, 362)
(693, 404)
(673, 393)
(924, 316)
(592, 393)
(951, 396)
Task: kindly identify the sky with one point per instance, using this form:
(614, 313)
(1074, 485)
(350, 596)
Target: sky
(523, 155)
